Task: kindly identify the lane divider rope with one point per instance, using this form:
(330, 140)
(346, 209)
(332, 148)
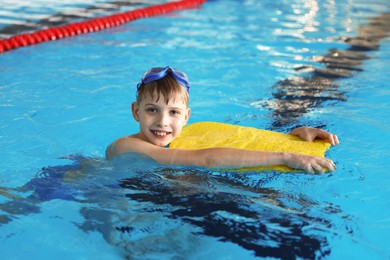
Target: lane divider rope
(93, 25)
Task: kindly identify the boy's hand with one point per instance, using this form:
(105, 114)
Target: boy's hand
(310, 164)
(309, 134)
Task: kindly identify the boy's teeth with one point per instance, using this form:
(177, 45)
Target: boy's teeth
(160, 133)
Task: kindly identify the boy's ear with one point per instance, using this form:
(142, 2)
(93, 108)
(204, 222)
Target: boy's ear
(135, 111)
(187, 116)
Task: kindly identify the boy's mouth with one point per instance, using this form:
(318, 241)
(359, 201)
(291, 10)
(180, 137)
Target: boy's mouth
(160, 133)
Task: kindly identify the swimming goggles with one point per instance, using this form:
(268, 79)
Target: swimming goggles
(154, 74)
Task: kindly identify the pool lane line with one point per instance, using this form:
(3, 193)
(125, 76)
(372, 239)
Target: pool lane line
(93, 25)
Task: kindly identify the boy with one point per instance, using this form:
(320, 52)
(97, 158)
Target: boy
(162, 111)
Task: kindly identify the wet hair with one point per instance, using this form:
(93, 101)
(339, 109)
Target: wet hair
(166, 87)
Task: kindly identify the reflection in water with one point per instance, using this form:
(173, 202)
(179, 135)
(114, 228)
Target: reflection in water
(136, 210)
(297, 96)
(68, 17)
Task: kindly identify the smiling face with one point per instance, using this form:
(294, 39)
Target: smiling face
(160, 120)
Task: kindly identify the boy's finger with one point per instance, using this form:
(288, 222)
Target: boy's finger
(318, 168)
(332, 140)
(330, 165)
(336, 140)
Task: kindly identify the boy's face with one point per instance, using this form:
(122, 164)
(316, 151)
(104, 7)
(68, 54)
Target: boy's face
(160, 122)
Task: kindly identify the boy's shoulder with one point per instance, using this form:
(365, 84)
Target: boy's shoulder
(125, 141)
(123, 145)
(128, 144)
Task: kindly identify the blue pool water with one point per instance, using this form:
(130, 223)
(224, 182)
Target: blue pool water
(252, 63)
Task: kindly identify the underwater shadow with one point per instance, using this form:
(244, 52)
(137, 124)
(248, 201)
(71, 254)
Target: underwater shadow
(268, 230)
(135, 209)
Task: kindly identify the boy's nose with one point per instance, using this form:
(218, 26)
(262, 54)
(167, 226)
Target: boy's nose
(163, 120)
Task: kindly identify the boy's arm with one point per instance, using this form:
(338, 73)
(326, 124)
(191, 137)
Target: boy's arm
(237, 158)
(218, 157)
(309, 134)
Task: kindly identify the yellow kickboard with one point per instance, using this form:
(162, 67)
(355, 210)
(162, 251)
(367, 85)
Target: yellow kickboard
(212, 134)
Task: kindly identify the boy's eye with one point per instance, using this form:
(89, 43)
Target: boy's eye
(175, 112)
(151, 110)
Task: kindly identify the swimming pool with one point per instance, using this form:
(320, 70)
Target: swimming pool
(264, 64)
